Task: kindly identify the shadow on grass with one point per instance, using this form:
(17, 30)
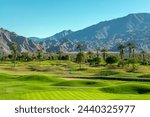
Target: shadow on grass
(144, 76)
(107, 73)
(127, 89)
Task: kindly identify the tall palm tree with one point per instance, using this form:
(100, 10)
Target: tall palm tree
(104, 50)
(121, 48)
(14, 52)
(80, 54)
(40, 53)
(90, 54)
(97, 52)
(130, 45)
(133, 51)
(2, 53)
(60, 53)
(79, 46)
(143, 55)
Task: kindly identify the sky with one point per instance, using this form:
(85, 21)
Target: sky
(44, 18)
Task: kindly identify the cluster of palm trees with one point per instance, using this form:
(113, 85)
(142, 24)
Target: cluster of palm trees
(130, 46)
(103, 51)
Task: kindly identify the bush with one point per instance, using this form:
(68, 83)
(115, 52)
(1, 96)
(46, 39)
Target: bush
(112, 59)
(65, 57)
(94, 61)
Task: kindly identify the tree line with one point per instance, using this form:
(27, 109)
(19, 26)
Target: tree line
(94, 59)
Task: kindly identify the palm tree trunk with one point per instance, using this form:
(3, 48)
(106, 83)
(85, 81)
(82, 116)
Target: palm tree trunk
(143, 58)
(133, 53)
(130, 53)
(122, 54)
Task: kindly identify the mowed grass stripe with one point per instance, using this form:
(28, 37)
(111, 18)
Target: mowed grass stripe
(63, 95)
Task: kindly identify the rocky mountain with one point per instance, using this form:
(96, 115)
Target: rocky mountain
(131, 28)
(36, 39)
(60, 35)
(23, 44)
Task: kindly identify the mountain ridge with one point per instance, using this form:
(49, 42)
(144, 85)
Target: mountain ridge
(109, 33)
(106, 34)
(23, 44)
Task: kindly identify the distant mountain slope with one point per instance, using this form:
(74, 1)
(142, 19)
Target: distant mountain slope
(36, 39)
(60, 35)
(133, 27)
(23, 44)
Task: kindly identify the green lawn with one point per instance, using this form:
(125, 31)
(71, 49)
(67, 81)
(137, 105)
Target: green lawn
(31, 81)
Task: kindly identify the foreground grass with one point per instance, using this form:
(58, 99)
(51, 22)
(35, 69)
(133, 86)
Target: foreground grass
(45, 81)
(43, 87)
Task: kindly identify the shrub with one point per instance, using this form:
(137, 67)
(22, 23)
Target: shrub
(112, 59)
(95, 61)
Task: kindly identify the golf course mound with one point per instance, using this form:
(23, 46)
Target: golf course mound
(5, 77)
(145, 76)
(128, 89)
(108, 73)
(82, 83)
(41, 78)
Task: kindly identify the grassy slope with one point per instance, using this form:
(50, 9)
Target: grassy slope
(45, 87)
(33, 81)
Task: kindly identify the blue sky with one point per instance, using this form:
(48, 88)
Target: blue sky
(43, 18)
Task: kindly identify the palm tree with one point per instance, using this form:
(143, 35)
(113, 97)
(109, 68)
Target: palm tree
(60, 53)
(133, 51)
(89, 54)
(104, 50)
(143, 55)
(2, 53)
(40, 54)
(79, 46)
(121, 48)
(97, 52)
(14, 52)
(80, 55)
(130, 45)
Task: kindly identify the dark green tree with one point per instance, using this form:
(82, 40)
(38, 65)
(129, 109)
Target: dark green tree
(112, 59)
